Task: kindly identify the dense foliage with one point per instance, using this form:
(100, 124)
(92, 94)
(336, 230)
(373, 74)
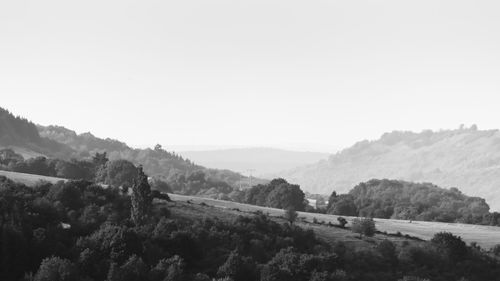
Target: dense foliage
(411, 201)
(69, 169)
(363, 226)
(276, 194)
(80, 231)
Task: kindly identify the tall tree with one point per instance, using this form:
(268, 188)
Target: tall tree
(141, 198)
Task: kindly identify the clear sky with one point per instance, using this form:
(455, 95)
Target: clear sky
(311, 75)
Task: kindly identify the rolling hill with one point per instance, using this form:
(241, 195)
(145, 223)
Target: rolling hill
(466, 158)
(22, 135)
(262, 161)
(31, 140)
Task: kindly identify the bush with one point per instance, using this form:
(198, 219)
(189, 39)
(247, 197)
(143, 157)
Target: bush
(454, 246)
(364, 226)
(342, 221)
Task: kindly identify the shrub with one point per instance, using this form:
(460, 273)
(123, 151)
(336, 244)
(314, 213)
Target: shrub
(454, 246)
(342, 221)
(364, 226)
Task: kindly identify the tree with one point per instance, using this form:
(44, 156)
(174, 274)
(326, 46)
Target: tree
(496, 250)
(454, 246)
(171, 269)
(291, 215)
(100, 159)
(342, 205)
(285, 195)
(141, 198)
(277, 194)
(238, 268)
(342, 221)
(56, 269)
(364, 226)
(118, 173)
(388, 251)
(133, 269)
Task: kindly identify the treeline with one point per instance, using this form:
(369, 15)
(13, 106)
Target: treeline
(80, 231)
(71, 169)
(396, 199)
(117, 173)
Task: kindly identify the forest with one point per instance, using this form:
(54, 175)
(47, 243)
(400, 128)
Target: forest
(118, 172)
(411, 201)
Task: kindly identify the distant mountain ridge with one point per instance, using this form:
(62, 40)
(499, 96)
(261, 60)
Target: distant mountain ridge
(260, 161)
(466, 158)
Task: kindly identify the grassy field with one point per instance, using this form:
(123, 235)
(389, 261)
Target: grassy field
(28, 179)
(198, 209)
(485, 236)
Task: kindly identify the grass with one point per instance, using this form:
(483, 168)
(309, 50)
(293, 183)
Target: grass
(484, 236)
(191, 208)
(29, 179)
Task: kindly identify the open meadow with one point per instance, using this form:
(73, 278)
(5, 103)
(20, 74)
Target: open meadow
(484, 236)
(29, 179)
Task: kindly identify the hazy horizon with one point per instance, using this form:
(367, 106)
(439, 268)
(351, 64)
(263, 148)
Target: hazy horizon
(312, 76)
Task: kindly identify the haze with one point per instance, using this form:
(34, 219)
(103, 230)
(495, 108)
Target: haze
(308, 75)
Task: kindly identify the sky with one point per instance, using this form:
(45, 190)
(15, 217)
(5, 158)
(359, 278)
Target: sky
(307, 75)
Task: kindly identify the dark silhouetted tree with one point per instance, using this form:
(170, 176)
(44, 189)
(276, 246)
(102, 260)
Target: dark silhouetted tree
(342, 221)
(454, 246)
(141, 198)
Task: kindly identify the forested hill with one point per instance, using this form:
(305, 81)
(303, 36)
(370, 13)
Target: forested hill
(466, 158)
(23, 134)
(157, 162)
(184, 176)
(393, 199)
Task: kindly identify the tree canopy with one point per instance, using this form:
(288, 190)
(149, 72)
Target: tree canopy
(277, 194)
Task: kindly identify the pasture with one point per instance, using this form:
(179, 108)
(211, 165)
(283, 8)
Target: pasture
(484, 236)
(28, 179)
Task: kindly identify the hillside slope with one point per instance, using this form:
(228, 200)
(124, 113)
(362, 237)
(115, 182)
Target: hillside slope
(468, 159)
(261, 160)
(30, 140)
(157, 162)
(20, 134)
(485, 236)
